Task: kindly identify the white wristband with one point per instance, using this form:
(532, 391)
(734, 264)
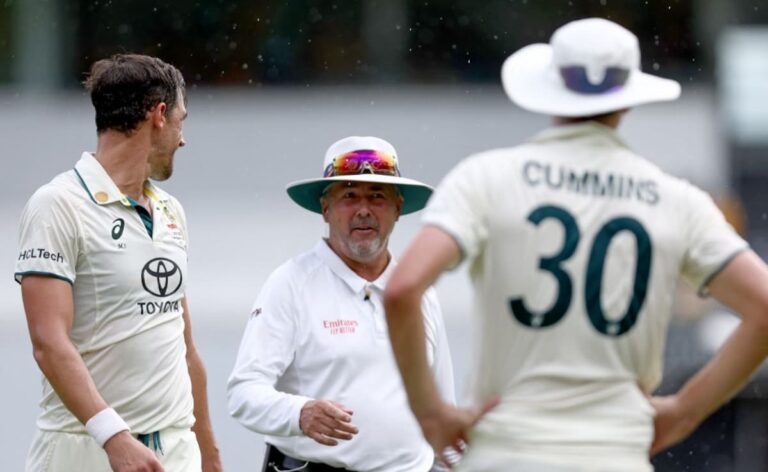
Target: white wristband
(105, 424)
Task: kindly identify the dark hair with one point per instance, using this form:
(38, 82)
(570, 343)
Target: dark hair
(125, 87)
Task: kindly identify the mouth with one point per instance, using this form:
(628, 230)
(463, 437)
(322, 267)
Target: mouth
(364, 230)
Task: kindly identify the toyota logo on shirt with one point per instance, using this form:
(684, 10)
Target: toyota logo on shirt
(161, 277)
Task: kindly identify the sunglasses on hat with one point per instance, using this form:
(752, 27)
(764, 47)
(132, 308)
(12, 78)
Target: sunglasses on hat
(361, 162)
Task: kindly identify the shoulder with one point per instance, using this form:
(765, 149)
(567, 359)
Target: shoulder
(486, 165)
(61, 193)
(684, 193)
(294, 272)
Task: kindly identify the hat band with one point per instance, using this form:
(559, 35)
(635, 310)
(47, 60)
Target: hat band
(576, 80)
(361, 162)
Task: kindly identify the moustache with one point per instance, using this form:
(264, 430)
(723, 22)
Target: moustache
(365, 223)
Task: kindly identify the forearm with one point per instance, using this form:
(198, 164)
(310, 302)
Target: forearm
(406, 332)
(727, 372)
(202, 428)
(255, 403)
(65, 370)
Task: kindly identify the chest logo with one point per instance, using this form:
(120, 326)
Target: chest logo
(117, 228)
(336, 327)
(161, 277)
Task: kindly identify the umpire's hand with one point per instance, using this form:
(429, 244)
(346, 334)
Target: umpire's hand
(325, 421)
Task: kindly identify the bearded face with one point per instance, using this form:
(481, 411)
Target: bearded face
(361, 216)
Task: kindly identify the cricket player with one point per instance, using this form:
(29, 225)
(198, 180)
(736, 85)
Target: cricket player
(574, 246)
(102, 266)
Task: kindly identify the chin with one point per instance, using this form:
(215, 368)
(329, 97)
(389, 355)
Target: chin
(161, 176)
(367, 250)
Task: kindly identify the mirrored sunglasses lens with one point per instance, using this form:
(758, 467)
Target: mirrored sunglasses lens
(361, 161)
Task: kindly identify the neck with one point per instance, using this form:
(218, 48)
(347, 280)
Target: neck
(612, 119)
(371, 269)
(125, 159)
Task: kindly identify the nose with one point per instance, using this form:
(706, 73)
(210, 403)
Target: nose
(182, 142)
(363, 211)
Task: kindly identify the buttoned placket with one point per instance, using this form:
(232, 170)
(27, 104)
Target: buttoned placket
(372, 298)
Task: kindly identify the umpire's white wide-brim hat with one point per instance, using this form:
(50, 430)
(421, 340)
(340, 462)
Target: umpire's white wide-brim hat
(589, 67)
(307, 192)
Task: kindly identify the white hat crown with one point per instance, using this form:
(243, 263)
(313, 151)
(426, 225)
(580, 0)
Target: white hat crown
(595, 44)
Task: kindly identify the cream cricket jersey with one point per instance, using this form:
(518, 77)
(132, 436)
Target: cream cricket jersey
(575, 245)
(127, 288)
(318, 331)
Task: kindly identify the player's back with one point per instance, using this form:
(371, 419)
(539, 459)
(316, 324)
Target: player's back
(575, 246)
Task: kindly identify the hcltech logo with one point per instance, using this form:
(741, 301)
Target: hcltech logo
(161, 277)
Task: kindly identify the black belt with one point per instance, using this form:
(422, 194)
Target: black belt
(276, 461)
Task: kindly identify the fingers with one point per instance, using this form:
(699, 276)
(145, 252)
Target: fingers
(337, 419)
(443, 459)
(489, 405)
(476, 414)
(322, 438)
(326, 421)
(336, 411)
(341, 407)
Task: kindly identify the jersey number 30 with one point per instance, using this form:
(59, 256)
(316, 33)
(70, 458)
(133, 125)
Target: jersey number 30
(594, 275)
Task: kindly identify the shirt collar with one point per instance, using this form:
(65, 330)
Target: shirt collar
(581, 130)
(356, 283)
(100, 186)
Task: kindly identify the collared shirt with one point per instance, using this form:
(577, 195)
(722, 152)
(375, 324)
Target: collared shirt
(575, 246)
(318, 331)
(127, 287)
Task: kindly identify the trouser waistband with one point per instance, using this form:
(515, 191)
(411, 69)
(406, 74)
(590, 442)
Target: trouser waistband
(154, 439)
(276, 461)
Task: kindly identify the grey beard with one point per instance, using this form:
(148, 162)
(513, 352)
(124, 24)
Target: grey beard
(365, 250)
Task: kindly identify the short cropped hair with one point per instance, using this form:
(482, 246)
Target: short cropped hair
(125, 87)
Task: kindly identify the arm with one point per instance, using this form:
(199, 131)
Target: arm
(49, 308)
(441, 365)
(429, 254)
(266, 351)
(743, 286)
(209, 451)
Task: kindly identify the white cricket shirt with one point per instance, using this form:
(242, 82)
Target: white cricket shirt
(575, 245)
(127, 289)
(314, 335)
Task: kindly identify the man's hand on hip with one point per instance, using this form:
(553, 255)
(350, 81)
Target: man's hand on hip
(325, 421)
(445, 428)
(126, 454)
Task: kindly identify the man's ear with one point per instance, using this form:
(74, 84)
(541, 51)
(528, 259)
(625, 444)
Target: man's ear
(156, 115)
(324, 207)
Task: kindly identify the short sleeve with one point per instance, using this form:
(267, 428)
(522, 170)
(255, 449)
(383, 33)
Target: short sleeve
(711, 241)
(48, 237)
(459, 207)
